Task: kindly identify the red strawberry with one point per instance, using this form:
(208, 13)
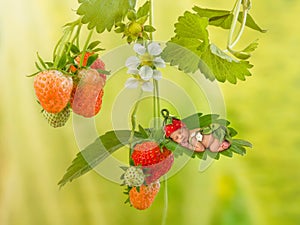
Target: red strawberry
(143, 198)
(97, 64)
(154, 161)
(53, 90)
(86, 98)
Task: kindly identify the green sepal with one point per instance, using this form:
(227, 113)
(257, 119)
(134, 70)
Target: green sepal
(142, 20)
(131, 15)
(62, 61)
(91, 59)
(143, 10)
(93, 45)
(149, 28)
(38, 67)
(41, 61)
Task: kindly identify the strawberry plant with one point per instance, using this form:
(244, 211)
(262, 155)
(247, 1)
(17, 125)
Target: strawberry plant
(75, 80)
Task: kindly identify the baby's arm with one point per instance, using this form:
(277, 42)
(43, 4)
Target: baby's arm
(195, 141)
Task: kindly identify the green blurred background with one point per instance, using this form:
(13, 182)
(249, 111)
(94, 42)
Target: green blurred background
(262, 187)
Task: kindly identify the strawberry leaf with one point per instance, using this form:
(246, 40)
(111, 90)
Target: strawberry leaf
(189, 43)
(190, 50)
(199, 120)
(103, 14)
(223, 18)
(215, 64)
(95, 153)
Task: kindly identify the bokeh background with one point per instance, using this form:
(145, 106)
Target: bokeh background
(262, 187)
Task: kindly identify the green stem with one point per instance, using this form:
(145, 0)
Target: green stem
(156, 102)
(236, 11)
(151, 18)
(165, 212)
(243, 25)
(85, 46)
(133, 119)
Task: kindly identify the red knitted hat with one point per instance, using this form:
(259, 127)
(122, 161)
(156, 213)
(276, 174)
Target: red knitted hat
(175, 125)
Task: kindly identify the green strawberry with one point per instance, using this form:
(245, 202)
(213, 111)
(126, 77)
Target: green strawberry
(57, 119)
(133, 176)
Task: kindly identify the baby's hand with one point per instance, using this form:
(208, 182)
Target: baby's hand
(196, 145)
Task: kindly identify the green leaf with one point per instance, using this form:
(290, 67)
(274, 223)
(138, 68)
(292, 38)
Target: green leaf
(98, 49)
(227, 153)
(91, 59)
(199, 120)
(74, 49)
(241, 142)
(143, 10)
(232, 132)
(190, 41)
(93, 45)
(190, 51)
(215, 64)
(223, 18)
(95, 153)
(251, 23)
(251, 47)
(143, 132)
(192, 26)
(240, 55)
(119, 30)
(177, 149)
(237, 149)
(219, 18)
(103, 14)
(179, 52)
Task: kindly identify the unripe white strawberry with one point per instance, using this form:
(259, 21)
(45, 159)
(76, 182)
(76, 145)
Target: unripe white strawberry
(134, 176)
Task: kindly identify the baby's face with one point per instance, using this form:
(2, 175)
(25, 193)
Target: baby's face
(180, 136)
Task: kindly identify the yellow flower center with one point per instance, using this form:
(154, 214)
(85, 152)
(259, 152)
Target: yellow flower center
(147, 60)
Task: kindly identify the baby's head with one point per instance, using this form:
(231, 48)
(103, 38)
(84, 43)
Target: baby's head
(177, 131)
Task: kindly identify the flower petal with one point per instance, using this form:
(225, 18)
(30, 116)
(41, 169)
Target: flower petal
(154, 48)
(147, 86)
(146, 73)
(139, 49)
(132, 62)
(157, 75)
(133, 71)
(131, 83)
(159, 62)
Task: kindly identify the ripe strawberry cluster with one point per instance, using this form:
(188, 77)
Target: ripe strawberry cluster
(150, 163)
(81, 89)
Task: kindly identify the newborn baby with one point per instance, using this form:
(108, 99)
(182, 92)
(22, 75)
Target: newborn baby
(194, 139)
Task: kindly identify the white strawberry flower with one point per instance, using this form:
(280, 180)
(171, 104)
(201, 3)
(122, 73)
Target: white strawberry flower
(144, 66)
